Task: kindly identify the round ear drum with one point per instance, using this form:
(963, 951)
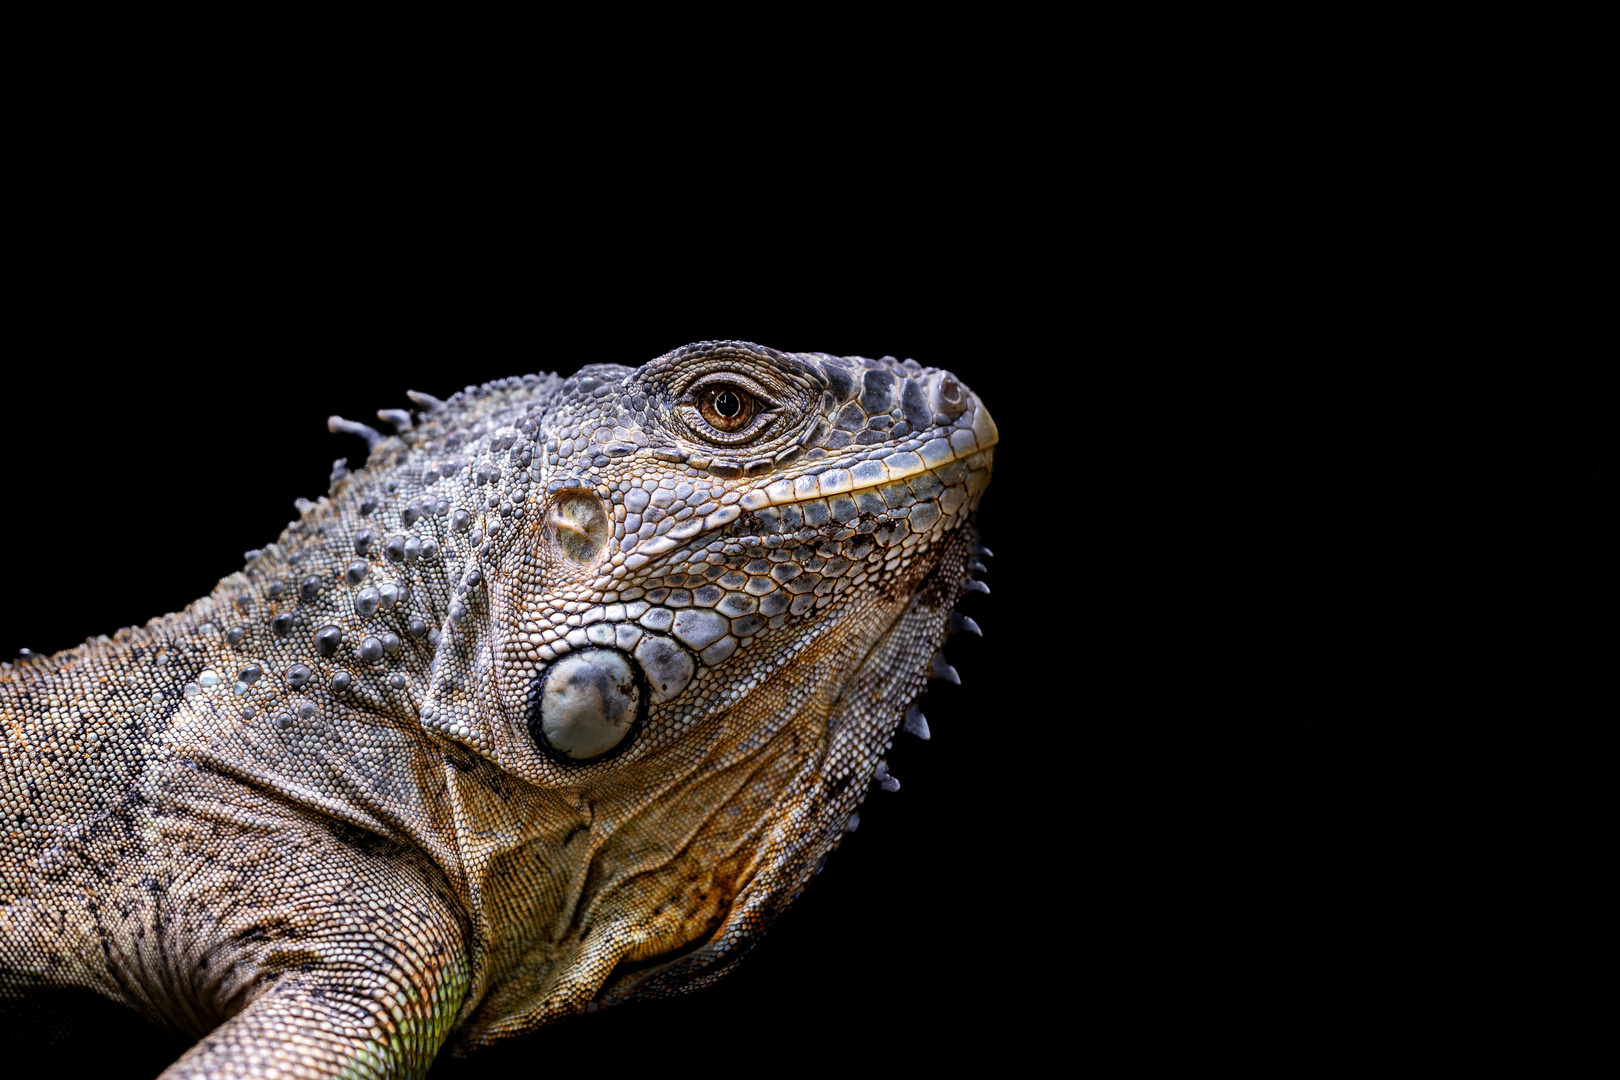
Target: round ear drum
(578, 526)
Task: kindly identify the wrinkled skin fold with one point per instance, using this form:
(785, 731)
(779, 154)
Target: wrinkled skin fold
(557, 703)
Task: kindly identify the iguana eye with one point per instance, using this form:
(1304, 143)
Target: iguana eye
(726, 407)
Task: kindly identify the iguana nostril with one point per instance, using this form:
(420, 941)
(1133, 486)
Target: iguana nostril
(589, 702)
(946, 395)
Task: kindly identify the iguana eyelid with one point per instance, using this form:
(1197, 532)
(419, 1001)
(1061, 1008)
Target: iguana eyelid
(766, 399)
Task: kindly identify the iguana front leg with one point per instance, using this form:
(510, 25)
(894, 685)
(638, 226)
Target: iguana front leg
(344, 958)
(367, 1019)
(288, 945)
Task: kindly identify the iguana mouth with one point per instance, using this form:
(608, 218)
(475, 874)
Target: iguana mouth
(836, 481)
(875, 472)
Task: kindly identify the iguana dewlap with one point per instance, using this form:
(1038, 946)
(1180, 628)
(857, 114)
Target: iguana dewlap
(557, 703)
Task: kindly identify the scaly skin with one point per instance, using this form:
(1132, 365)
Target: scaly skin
(556, 704)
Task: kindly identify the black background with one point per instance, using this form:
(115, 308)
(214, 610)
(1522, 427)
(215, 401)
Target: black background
(1227, 521)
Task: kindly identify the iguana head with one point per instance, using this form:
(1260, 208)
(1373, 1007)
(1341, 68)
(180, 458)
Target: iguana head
(696, 601)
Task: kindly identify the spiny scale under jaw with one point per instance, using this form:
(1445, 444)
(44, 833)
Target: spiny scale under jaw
(579, 673)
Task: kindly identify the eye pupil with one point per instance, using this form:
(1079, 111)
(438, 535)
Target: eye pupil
(728, 404)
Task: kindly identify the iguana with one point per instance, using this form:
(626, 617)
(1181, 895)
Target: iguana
(555, 704)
